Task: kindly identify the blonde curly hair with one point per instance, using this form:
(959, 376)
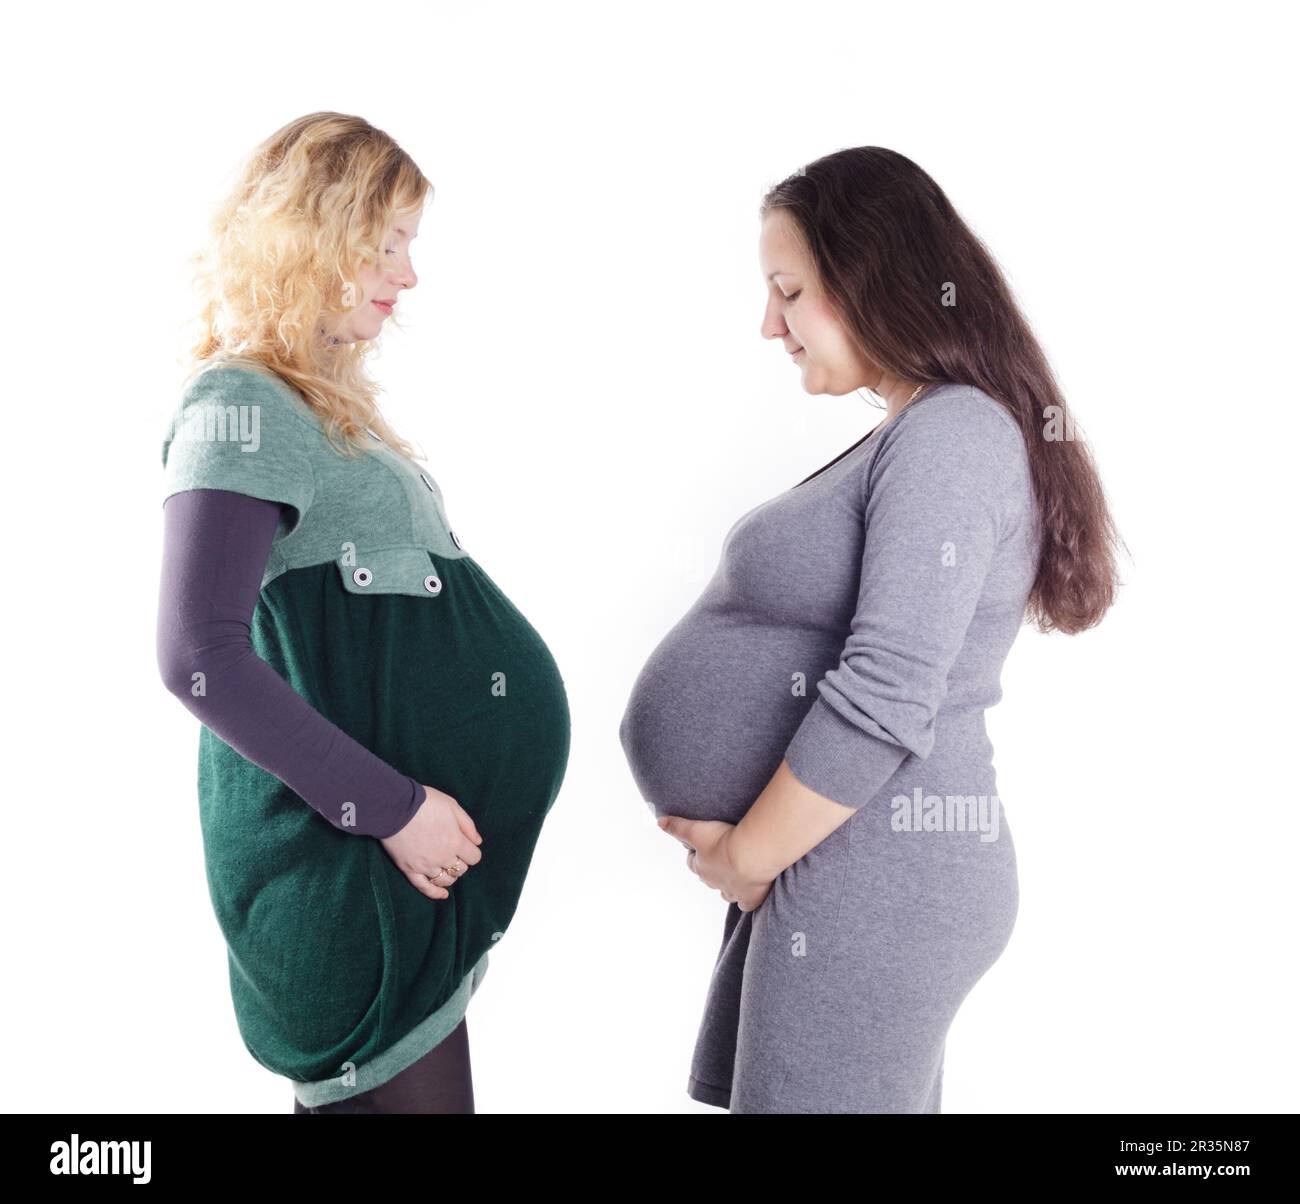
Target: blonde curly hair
(310, 205)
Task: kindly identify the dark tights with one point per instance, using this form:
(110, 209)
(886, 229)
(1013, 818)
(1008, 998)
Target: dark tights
(439, 1082)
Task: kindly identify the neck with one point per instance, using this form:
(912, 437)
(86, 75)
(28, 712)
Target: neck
(899, 394)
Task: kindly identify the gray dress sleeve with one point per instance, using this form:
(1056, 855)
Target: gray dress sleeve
(215, 548)
(948, 481)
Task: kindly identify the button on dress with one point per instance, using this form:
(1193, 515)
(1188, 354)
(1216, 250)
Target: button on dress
(341, 972)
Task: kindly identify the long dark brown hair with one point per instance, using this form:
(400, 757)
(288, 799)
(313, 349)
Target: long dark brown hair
(926, 301)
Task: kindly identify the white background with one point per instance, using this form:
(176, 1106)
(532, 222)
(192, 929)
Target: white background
(582, 365)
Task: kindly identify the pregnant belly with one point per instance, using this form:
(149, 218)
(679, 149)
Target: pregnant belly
(713, 709)
(467, 698)
(459, 691)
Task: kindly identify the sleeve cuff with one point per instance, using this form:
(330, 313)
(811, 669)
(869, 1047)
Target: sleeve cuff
(413, 804)
(839, 761)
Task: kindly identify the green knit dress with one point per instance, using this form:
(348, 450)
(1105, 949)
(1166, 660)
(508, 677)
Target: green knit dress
(341, 972)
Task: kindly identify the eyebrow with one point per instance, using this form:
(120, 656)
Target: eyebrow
(779, 272)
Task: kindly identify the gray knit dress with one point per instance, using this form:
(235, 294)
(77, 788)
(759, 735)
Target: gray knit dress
(856, 626)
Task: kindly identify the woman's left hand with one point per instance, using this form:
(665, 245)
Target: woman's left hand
(711, 859)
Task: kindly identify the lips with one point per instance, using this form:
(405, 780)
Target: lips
(386, 306)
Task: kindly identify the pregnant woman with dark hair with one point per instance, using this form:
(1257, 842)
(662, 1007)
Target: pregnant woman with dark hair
(859, 837)
(384, 733)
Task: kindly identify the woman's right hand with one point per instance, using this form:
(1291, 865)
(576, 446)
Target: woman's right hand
(440, 831)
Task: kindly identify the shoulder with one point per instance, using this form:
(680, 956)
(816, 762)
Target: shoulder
(242, 430)
(237, 383)
(955, 441)
(957, 419)
(227, 405)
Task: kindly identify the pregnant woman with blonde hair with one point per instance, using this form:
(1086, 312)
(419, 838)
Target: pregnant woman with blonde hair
(383, 731)
(859, 837)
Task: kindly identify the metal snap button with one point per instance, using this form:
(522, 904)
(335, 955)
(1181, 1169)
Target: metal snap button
(455, 538)
(362, 576)
(428, 482)
(432, 584)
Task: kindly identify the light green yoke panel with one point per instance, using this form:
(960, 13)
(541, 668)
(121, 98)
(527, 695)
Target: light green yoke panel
(377, 516)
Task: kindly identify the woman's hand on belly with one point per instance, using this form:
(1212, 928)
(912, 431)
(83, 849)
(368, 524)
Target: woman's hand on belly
(437, 846)
(710, 859)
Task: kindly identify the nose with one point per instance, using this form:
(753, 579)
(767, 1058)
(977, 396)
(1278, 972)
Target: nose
(403, 274)
(773, 326)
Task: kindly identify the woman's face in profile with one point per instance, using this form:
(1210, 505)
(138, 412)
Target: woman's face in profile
(379, 285)
(799, 314)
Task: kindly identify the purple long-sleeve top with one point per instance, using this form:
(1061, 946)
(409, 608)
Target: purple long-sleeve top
(215, 548)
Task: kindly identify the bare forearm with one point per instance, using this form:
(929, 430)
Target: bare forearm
(786, 820)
